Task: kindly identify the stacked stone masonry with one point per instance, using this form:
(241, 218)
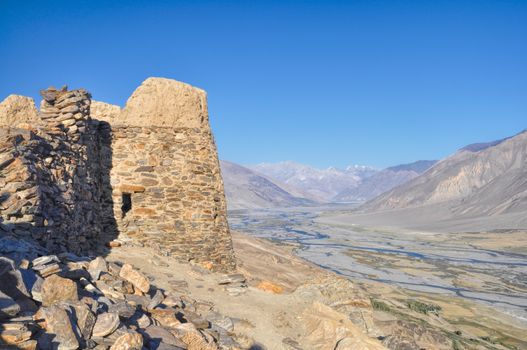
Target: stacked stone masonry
(74, 178)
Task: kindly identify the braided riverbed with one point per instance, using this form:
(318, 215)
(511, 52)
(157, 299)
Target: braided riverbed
(484, 267)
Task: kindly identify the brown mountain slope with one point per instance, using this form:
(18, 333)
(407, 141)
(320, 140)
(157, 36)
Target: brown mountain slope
(246, 189)
(486, 180)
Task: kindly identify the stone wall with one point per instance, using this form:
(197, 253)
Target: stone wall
(19, 195)
(16, 110)
(165, 175)
(171, 180)
(52, 183)
(149, 173)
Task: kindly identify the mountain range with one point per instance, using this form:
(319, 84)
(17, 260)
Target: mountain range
(288, 184)
(246, 189)
(383, 181)
(484, 180)
(485, 183)
(318, 184)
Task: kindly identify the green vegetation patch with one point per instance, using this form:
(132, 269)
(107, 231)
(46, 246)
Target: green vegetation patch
(423, 308)
(380, 306)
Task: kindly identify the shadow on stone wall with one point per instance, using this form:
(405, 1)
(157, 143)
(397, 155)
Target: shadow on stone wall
(74, 212)
(109, 230)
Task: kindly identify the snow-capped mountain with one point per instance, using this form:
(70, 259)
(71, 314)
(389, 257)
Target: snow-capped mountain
(318, 184)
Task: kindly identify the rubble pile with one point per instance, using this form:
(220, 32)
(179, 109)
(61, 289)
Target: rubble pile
(69, 302)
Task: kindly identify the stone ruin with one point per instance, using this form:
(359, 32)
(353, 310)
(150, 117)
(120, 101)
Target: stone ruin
(79, 173)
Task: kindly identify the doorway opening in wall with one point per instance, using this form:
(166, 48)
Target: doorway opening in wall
(127, 204)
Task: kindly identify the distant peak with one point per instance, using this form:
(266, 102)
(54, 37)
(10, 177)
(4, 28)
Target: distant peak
(419, 166)
(480, 146)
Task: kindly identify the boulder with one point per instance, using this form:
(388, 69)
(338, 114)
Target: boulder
(195, 319)
(36, 290)
(220, 320)
(142, 321)
(194, 339)
(96, 267)
(128, 341)
(44, 260)
(106, 324)
(123, 309)
(156, 299)
(324, 328)
(59, 324)
(14, 336)
(135, 277)
(165, 317)
(47, 270)
(56, 289)
(237, 278)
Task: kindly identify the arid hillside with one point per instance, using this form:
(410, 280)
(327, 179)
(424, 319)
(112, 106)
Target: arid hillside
(489, 179)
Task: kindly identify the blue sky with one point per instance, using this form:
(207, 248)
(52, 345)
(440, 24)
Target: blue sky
(326, 83)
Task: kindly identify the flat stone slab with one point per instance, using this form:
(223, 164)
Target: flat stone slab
(8, 307)
(14, 337)
(44, 260)
(59, 323)
(232, 279)
(11, 280)
(123, 309)
(157, 335)
(106, 324)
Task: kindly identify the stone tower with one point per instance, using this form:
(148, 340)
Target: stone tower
(148, 173)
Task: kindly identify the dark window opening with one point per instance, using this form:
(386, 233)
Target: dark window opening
(127, 204)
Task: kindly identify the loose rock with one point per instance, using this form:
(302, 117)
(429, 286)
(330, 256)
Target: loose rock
(232, 279)
(135, 277)
(128, 341)
(106, 324)
(11, 281)
(157, 335)
(58, 322)
(55, 289)
(8, 307)
(96, 267)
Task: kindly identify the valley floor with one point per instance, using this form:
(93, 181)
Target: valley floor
(479, 279)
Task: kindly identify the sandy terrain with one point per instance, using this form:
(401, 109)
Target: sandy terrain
(262, 319)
